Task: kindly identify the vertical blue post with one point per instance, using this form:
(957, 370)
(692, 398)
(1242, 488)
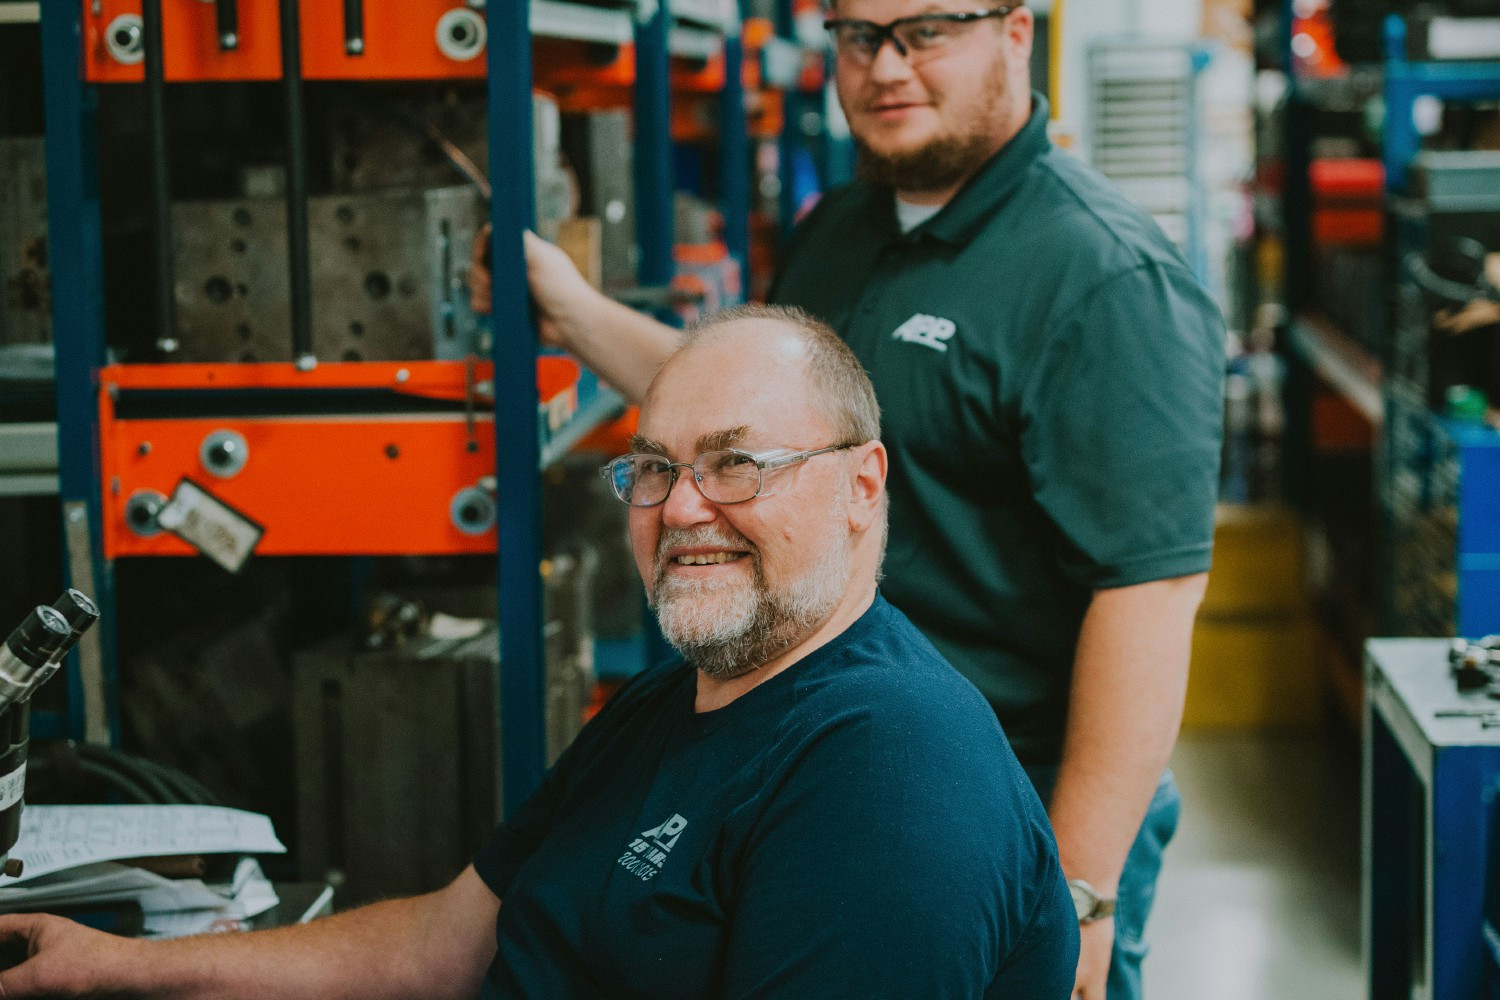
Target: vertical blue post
(1399, 141)
(788, 145)
(734, 153)
(517, 449)
(653, 146)
(77, 329)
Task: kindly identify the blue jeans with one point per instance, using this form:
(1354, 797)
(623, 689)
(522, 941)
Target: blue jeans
(1137, 882)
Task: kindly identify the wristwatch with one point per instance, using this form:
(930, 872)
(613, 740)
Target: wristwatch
(1090, 905)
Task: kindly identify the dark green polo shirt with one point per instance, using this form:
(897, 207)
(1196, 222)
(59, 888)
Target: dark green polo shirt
(1049, 374)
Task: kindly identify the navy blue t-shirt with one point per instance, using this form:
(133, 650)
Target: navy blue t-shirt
(856, 826)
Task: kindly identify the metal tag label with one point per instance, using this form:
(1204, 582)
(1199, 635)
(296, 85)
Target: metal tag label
(13, 786)
(210, 525)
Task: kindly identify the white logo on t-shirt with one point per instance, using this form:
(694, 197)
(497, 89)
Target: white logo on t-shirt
(646, 854)
(930, 331)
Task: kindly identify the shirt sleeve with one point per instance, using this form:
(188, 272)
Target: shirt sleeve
(889, 862)
(1122, 425)
(518, 837)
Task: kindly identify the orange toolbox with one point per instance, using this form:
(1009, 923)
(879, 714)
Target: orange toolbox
(415, 476)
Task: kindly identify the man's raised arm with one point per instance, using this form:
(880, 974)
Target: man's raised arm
(437, 945)
(623, 346)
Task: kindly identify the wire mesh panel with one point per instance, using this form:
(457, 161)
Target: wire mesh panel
(1143, 125)
(1420, 496)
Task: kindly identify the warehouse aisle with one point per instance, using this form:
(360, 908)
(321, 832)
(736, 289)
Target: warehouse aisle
(1260, 896)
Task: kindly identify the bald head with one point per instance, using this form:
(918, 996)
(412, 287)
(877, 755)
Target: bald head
(785, 340)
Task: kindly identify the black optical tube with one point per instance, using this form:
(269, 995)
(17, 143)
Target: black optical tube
(296, 186)
(354, 27)
(161, 193)
(227, 16)
(80, 613)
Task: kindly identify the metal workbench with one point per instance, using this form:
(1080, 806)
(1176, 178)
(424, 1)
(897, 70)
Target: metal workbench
(1429, 819)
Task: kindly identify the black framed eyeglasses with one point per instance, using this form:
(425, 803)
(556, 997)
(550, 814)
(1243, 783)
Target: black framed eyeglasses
(916, 38)
(726, 476)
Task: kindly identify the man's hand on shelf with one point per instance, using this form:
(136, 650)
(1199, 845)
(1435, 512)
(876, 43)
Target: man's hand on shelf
(560, 293)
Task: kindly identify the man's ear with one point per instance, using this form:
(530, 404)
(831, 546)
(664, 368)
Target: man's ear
(1020, 31)
(866, 485)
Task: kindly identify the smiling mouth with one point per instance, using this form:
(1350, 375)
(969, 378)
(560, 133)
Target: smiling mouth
(708, 558)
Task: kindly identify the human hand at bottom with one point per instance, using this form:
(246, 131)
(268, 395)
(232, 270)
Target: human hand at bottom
(47, 956)
(1096, 946)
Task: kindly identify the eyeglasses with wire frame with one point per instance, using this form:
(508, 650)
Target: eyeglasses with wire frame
(725, 476)
(916, 38)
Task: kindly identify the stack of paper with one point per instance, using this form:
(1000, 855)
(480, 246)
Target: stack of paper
(70, 854)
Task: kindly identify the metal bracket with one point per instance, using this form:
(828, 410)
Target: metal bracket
(90, 650)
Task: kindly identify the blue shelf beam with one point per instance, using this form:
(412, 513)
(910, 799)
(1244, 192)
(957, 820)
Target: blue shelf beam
(654, 181)
(517, 447)
(734, 153)
(1406, 81)
(75, 246)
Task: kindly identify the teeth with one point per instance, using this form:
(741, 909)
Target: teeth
(710, 559)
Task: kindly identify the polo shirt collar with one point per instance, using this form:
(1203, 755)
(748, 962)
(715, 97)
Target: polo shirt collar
(968, 211)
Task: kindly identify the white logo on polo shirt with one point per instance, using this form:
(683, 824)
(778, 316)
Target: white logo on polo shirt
(646, 854)
(929, 331)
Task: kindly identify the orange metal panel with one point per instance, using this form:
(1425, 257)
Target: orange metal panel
(343, 485)
(319, 486)
(432, 379)
(190, 43)
(612, 438)
(758, 32)
(400, 43)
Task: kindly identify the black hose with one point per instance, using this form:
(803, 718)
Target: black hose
(131, 767)
(113, 779)
(170, 785)
(185, 788)
(1434, 284)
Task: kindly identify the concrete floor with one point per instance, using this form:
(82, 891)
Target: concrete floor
(1259, 898)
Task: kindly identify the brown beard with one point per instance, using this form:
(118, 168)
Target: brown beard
(938, 166)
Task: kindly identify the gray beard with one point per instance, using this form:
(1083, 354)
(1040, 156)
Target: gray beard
(750, 626)
(937, 166)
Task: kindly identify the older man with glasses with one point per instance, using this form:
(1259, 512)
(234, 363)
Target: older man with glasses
(813, 803)
(1050, 375)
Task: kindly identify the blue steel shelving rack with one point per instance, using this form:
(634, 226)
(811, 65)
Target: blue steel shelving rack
(1476, 608)
(74, 221)
(517, 449)
(1430, 838)
(78, 336)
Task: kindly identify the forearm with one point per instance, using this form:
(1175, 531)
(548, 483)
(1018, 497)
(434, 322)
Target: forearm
(437, 945)
(1125, 709)
(375, 951)
(625, 347)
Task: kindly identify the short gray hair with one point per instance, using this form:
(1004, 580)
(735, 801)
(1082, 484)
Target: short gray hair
(841, 387)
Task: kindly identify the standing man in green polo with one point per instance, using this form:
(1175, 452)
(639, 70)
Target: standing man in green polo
(1050, 375)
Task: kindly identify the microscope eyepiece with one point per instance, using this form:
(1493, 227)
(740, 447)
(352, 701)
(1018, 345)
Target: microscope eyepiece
(37, 639)
(78, 609)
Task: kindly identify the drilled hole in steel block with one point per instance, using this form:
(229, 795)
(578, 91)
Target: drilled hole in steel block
(218, 289)
(377, 285)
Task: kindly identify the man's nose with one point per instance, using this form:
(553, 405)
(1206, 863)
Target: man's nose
(686, 505)
(888, 64)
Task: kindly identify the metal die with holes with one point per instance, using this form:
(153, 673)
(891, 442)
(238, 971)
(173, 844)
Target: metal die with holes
(388, 277)
(395, 482)
(25, 275)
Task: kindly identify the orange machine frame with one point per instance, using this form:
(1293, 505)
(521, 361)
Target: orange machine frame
(400, 43)
(319, 485)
